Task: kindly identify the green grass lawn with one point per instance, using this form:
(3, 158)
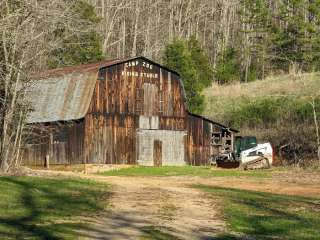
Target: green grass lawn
(185, 171)
(266, 215)
(39, 208)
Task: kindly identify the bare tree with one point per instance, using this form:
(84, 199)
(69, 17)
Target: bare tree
(130, 28)
(27, 35)
(312, 102)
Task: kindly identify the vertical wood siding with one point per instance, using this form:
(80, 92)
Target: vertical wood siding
(120, 90)
(135, 106)
(67, 146)
(127, 97)
(198, 146)
(110, 139)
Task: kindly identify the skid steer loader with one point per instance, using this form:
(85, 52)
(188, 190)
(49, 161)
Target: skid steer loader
(244, 152)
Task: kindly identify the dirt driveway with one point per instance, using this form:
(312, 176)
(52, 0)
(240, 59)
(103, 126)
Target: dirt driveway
(169, 208)
(157, 208)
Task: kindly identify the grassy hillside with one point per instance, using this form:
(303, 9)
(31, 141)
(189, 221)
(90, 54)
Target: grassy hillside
(276, 109)
(222, 98)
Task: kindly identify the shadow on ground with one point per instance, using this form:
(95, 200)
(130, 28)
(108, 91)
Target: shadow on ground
(46, 208)
(268, 216)
(39, 208)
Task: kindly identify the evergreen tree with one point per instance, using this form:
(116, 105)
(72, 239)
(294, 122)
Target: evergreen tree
(201, 63)
(227, 69)
(298, 42)
(178, 57)
(314, 29)
(82, 48)
(256, 17)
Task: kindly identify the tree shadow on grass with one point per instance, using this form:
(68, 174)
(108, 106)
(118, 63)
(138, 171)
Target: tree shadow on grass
(41, 206)
(267, 215)
(155, 233)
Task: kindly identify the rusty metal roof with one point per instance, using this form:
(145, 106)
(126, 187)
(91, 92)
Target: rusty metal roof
(61, 98)
(65, 93)
(77, 68)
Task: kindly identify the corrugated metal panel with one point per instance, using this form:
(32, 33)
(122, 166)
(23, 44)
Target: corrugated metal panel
(77, 68)
(64, 94)
(61, 98)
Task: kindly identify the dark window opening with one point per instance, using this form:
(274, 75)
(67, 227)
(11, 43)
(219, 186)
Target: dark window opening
(102, 74)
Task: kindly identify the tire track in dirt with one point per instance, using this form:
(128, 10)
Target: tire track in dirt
(142, 207)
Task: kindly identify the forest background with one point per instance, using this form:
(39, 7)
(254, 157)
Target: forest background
(266, 49)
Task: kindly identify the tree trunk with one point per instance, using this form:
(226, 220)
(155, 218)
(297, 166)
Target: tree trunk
(316, 125)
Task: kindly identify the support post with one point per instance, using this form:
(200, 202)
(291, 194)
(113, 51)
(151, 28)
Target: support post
(50, 152)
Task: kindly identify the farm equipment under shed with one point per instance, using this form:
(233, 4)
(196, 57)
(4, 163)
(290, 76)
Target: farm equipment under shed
(241, 151)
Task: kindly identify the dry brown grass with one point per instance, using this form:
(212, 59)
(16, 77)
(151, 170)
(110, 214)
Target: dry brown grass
(283, 85)
(249, 108)
(228, 98)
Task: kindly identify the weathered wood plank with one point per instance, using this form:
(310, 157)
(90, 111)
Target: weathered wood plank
(134, 104)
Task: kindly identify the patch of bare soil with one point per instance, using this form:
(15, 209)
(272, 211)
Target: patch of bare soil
(168, 208)
(150, 208)
(163, 206)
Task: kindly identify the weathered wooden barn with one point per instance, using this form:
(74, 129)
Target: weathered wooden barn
(130, 111)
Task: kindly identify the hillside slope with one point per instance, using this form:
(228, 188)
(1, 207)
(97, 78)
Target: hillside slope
(276, 109)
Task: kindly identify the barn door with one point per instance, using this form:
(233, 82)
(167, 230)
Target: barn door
(157, 153)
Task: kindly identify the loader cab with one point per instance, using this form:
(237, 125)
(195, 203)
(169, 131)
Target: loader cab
(244, 143)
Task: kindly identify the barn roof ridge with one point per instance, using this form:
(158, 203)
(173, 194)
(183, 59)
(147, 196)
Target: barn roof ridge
(75, 68)
(72, 95)
(99, 65)
(64, 94)
(94, 66)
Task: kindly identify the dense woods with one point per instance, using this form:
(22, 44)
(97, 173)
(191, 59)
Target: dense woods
(219, 41)
(260, 37)
(243, 40)
(31, 32)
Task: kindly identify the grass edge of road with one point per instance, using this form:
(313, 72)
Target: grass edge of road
(262, 215)
(198, 171)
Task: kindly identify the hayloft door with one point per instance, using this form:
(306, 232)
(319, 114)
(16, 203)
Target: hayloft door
(150, 104)
(157, 153)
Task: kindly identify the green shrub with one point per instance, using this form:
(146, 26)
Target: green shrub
(268, 110)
